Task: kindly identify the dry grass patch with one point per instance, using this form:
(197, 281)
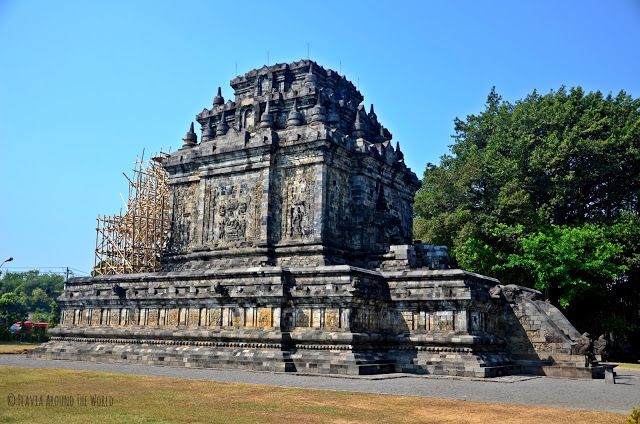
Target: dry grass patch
(142, 399)
(629, 366)
(17, 347)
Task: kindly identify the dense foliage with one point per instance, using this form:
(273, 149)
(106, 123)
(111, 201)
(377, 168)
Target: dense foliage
(29, 295)
(544, 192)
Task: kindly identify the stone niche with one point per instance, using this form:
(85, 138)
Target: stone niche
(290, 249)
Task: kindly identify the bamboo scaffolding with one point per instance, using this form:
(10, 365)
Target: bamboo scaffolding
(134, 241)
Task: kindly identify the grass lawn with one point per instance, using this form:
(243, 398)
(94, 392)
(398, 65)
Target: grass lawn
(140, 399)
(14, 347)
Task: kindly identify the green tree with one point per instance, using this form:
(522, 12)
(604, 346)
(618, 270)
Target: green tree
(30, 293)
(12, 308)
(54, 314)
(39, 301)
(568, 260)
(26, 282)
(544, 192)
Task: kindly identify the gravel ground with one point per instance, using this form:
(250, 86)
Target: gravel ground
(578, 394)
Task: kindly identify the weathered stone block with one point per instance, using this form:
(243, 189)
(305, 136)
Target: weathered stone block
(193, 319)
(237, 317)
(215, 317)
(173, 315)
(265, 317)
(303, 317)
(153, 317)
(332, 318)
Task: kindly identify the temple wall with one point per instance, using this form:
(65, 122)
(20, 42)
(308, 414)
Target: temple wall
(329, 319)
(333, 298)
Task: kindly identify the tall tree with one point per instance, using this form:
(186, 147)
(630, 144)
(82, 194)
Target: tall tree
(12, 308)
(542, 192)
(24, 293)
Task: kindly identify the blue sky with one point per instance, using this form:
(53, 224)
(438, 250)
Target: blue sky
(86, 86)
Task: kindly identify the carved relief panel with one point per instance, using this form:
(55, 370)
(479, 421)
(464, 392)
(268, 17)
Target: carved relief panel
(298, 203)
(338, 211)
(182, 219)
(443, 321)
(232, 209)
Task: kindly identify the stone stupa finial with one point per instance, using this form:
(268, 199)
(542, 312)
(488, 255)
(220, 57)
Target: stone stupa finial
(190, 139)
(310, 78)
(372, 115)
(208, 133)
(222, 127)
(266, 120)
(359, 127)
(318, 113)
(218, 100)
(399, 154)
(295, 117)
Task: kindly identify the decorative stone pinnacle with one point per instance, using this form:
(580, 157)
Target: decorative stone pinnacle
(310, 78)
(266, 120)
(372, 115)
(223, 127)
(318, 111)
(295, 117)
(190, 139)
(208, 133)
(399, 154)
(218, 100)
(358, 126)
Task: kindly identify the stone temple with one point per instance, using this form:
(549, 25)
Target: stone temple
(291, 249)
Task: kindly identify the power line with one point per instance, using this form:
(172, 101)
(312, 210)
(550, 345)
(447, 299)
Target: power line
(39, 267)
(48, 269)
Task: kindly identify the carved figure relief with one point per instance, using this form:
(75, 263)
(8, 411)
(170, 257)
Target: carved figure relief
(95, 317)
(297, 210)
(332, 318)
(443, 321)
(249, 119)
(233, 223)
(232, 210)
(215, 317)
(298, 214)
(209, 209)
(181, 220)
(265, 317)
